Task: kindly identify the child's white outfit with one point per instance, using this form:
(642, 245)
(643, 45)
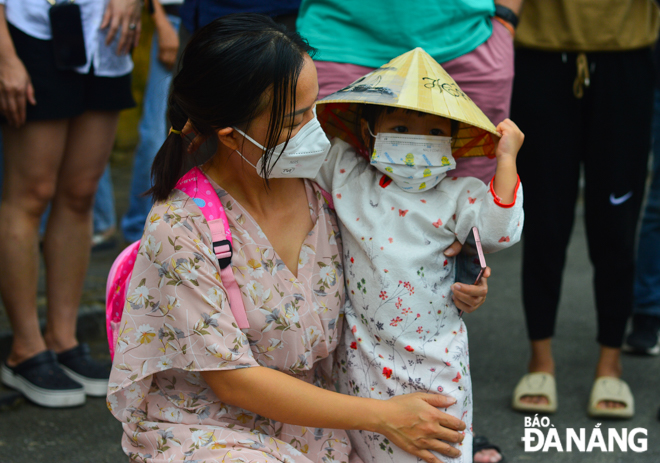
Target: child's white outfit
(403, 332)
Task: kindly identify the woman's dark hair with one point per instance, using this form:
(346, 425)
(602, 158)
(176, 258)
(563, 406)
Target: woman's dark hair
(231, 70)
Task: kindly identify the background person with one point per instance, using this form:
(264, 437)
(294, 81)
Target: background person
(196, 14)
(571, 61)
(645, 335)
(153, 123)
(58, 131)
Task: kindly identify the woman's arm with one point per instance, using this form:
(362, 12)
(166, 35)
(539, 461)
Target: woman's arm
(15, 85)
(168, 38)
(411, 421)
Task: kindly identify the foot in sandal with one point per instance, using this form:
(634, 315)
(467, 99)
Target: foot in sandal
(609, 366)
(485, 452)
(535, 393)
(611, 398)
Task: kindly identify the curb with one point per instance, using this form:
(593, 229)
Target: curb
(90, 327)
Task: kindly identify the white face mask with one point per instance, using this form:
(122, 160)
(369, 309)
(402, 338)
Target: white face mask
(414, 162)
(302, 157)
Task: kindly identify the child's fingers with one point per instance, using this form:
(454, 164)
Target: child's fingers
(507, 125)
(469, 298)
(502, 128)
(466, 303)
(197, 142)
(188, 128)
(454, 249)
(479, 290)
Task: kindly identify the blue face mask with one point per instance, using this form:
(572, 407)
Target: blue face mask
(414, 162)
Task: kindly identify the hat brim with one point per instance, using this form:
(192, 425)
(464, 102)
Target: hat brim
(412, 81)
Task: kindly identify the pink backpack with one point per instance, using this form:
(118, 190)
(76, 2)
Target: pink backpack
(197, 186)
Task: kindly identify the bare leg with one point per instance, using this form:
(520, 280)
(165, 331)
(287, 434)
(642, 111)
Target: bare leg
(32, 158)
(609, 364)
(541, 361)
(68, 235)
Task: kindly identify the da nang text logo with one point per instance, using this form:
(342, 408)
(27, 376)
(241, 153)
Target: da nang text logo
(542, 436)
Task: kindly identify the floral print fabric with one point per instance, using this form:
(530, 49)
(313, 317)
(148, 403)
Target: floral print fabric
(403, 333)
(177, 322)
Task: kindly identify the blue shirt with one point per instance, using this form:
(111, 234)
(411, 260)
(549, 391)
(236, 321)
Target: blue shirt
(198, 13)
(372, 32)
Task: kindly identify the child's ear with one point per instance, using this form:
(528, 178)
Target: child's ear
(228, 137)
(367, 140)
(364, 132)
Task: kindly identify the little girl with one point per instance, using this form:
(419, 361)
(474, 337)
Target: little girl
(398, 212)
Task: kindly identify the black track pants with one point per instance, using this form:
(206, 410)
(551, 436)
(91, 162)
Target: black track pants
(608, 131)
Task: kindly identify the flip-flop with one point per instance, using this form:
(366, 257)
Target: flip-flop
(535, 384)
(613, 390)
(480, 443)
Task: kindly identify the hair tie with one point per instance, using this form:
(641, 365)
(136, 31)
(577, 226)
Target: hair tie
(173, 130)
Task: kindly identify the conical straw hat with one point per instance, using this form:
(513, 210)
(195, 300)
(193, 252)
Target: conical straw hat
(414, 81)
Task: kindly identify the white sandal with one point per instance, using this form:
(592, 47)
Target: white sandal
(535, 384)
(611, 389)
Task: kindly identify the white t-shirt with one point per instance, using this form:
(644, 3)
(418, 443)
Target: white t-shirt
(31, 17)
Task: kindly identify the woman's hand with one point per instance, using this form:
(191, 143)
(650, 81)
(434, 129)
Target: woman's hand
(168, 45)
(468, 298)
(16, 90)
(168, 38)
(124, 14)
(413, 423)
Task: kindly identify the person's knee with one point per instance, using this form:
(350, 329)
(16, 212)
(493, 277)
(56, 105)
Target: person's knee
(32, 199)
(78, 197)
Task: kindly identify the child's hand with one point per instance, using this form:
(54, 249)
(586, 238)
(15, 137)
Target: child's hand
(469, 298)
(511, 141)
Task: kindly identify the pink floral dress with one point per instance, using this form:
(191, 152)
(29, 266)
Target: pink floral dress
(177, 323)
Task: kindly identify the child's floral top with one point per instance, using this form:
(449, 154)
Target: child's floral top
(404, 333)
(177, 322)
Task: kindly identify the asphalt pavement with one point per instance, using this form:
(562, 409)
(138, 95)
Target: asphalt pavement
(499, 354)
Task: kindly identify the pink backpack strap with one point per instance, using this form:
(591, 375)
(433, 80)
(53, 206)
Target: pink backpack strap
(115, 292)
(197, 186)
(328, 199)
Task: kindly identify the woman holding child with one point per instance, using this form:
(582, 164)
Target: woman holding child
(186, 382)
